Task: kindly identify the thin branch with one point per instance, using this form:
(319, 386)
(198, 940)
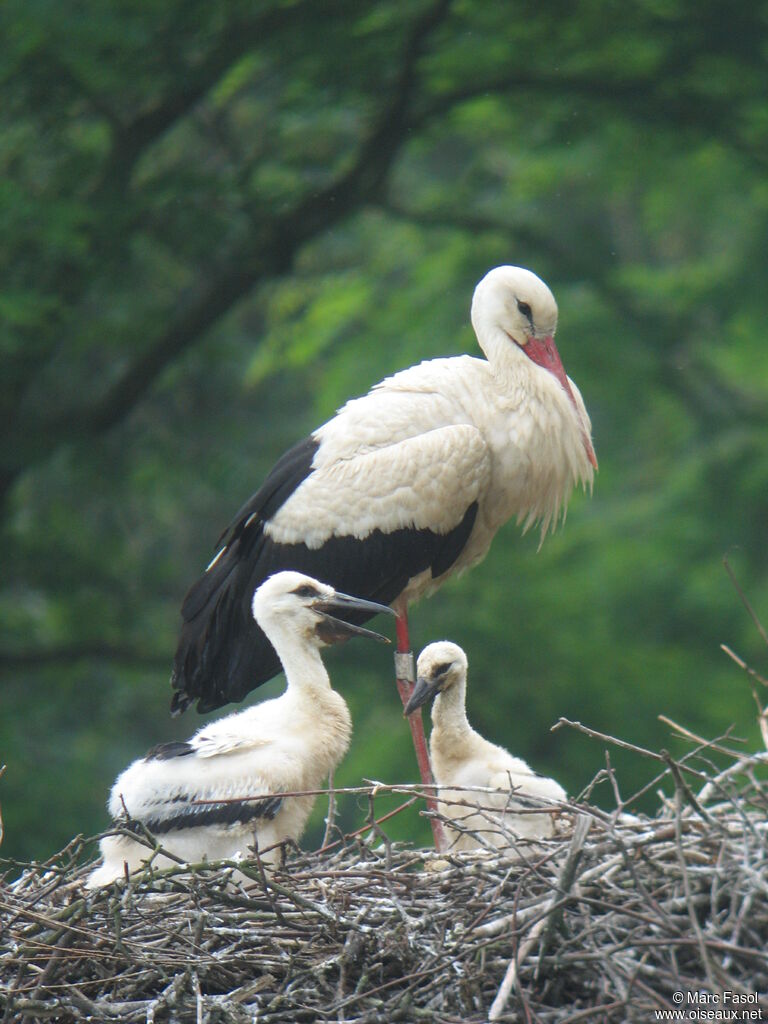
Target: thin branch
(745, 600)
(707, 744)
(595, 735)
(682, 787)
(330, 818)
(743, 665)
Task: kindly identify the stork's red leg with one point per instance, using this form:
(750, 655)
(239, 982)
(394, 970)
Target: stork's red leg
(404, 688)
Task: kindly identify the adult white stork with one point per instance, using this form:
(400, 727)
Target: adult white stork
(462, 758)
(401, 489)
(285, 745)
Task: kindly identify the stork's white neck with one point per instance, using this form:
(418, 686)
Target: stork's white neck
(510, 366)
(449, 711)
(300, 658)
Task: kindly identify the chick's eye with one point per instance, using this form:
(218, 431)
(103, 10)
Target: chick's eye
(440, 670)
(305, 591)
(524, 308)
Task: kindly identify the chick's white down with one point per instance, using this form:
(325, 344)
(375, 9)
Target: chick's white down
(289, 744)
(522, 803)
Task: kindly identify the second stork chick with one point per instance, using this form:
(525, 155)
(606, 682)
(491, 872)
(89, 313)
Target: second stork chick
(281, 746)
(462, 758)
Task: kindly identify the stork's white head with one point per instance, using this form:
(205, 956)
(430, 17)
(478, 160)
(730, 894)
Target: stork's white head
(291, 601)
(513, 307)
(441, 665)
(516, 301)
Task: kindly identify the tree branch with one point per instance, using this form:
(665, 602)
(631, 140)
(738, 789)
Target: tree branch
(134, 137)
(216, 296)
(682, 110)
(275, 245)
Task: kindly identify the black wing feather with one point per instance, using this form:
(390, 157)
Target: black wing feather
(235, 812)
(288, 472)
(169, 750)
(245, 529)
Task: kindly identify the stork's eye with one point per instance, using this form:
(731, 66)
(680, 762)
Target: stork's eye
(305, 590)
(440, 670)
(524, 308)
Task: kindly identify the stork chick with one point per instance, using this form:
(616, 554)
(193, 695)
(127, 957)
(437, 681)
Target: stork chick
(289, 744)
(461, 757)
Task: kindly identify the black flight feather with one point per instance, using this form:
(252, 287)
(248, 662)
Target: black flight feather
(235, 812)
(238, 538)
(171, 749)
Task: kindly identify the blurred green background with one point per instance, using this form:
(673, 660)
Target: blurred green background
(221, 220)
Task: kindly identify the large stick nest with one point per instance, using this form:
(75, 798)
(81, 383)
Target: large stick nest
(605, 922)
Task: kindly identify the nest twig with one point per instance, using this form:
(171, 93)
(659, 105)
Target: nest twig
(604, 922)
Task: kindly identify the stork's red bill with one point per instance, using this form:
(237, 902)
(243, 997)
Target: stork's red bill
(543, 352)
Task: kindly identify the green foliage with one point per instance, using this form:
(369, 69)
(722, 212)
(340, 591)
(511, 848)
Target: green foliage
(223, 220)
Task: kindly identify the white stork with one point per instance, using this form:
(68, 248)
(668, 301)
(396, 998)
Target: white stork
(285, 745)
(401, 489)
(461, 757)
